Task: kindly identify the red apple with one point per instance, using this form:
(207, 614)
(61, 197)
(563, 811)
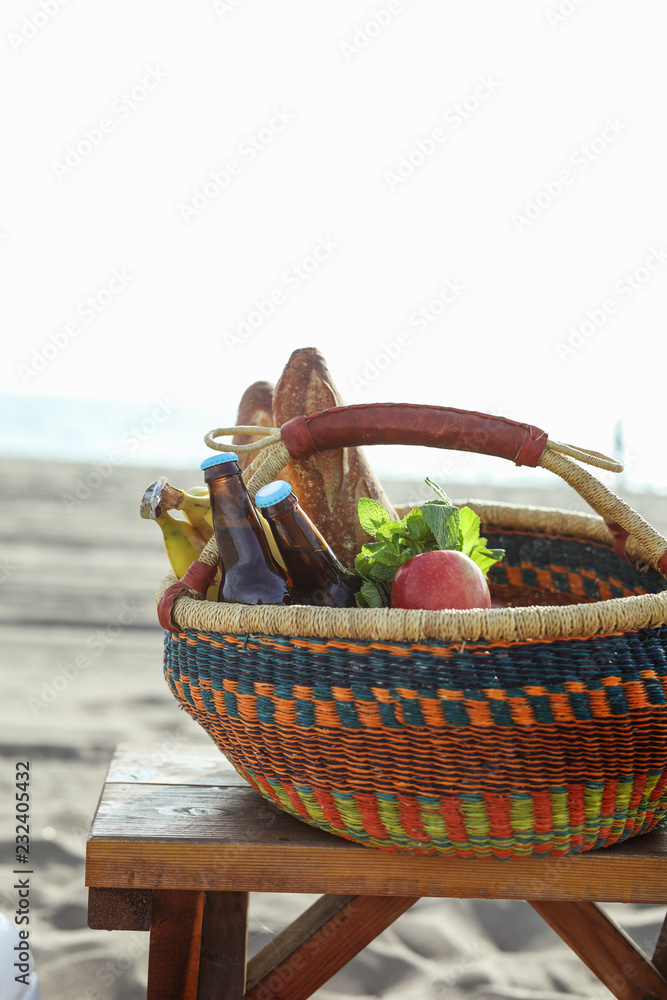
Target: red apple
(440, 579)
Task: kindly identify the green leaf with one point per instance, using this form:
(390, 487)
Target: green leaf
(469, 524)
(486, 558)
(439, 492)
(372, 515)
(371, 596)
(443, 522)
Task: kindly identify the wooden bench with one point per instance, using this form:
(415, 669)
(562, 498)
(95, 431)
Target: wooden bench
(179, 839)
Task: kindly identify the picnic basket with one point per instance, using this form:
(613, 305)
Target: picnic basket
(536, 728)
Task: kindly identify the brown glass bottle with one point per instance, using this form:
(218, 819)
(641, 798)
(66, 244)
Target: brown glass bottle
(249, 573)
(316, 574)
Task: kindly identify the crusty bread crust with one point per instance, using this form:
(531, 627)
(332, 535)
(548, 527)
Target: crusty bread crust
(328, 485)
(255, 410)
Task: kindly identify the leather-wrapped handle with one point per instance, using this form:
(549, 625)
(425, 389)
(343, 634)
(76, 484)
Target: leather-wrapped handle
(411, 423)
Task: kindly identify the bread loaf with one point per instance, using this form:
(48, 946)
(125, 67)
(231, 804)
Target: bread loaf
(255, 410)
(329, 485)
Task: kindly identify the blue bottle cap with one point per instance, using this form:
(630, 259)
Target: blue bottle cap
(222, 456)
(273, 493)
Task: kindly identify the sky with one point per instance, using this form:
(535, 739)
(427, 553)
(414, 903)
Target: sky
(461, 204)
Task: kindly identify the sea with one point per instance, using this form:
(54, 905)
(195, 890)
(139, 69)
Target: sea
(162, 434)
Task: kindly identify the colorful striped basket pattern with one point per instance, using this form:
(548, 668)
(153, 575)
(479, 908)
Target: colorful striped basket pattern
(478, 749)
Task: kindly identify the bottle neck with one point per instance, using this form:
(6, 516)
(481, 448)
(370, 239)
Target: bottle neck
(292, 526)
(238, 532)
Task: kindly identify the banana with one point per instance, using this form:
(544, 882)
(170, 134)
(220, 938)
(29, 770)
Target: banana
(195, 503)
(183, 540)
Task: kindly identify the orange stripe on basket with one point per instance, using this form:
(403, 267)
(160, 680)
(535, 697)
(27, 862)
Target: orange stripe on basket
(247, 706)
(367, 805)
(636, 694)
(497, 694)
(561, 708)
(411, 820)
(611, 681)
(598, 702)
(219, 702)
(543, 816)
(326, 714)
(432, 711)
(383, 695)
(284, 712)
(535, 690)
(577, 809)
(521, 711)
(480, 712)
(408, 693)
(448, 695)
(303, 692)
(327, 804)
(575, 686)
(499, 814)
(450, 810)
(342, 694)
(545, 579)
(368, 713)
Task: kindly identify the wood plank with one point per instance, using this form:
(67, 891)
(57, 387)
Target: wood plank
(319, 943)
(231, 839)
(172, 763)
(119, 909)
(173, 956)
(605, 948)
(224, 940)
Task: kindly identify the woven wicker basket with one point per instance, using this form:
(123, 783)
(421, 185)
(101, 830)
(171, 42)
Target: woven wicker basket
(538, 729)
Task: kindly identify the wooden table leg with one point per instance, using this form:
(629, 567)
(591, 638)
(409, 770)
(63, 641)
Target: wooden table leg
(660, 951)
(605, 948)
(308, 952)
(224, 939)
(173, 958)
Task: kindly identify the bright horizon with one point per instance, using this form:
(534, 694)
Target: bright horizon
(428, 198)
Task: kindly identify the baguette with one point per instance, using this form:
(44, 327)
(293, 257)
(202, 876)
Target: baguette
(255, 410)
(328, 485)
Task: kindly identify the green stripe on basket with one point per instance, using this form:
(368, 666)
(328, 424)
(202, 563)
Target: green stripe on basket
(431, 817)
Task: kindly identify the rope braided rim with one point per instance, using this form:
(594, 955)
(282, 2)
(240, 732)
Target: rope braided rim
(646, 547)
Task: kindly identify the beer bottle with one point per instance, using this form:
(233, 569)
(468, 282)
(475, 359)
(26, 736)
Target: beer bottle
(249, 573)
(316, 574)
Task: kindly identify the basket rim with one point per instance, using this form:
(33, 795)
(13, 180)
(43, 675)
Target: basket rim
(510, 625)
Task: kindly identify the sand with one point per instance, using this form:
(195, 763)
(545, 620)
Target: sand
(78, 578)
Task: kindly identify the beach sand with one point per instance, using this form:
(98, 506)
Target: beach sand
(84, 652)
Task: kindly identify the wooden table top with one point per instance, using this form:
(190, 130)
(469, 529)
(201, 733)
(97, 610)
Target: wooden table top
(183, 818)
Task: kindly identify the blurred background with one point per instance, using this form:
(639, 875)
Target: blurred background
(461, 204)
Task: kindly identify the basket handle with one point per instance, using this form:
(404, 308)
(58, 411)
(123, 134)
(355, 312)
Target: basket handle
(411, 423)
(464, 430)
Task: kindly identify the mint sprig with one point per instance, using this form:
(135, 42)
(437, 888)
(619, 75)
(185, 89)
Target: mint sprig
(436, 524)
